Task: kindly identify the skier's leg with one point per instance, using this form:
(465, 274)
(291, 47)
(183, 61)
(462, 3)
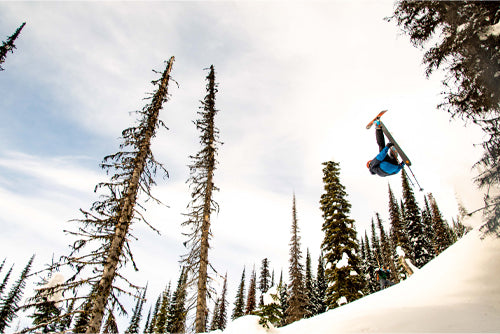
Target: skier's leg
(379, 134)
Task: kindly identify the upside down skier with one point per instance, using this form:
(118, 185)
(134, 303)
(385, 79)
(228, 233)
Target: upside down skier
(386, 162)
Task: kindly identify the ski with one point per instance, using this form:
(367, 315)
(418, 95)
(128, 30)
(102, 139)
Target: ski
(377, 117)
(402, 154)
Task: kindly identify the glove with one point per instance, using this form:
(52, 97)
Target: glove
(389, 145)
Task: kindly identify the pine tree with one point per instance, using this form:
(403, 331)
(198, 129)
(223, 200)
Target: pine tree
(137, 314)
(310, 287)
(270, 312)
(372, 265)
(148, 321)
(161, 320)
(9, 45)
(298, 301)
(45, 307)
(202, 204)
(283, 296)
(154, 317)
(5, 279)
(387, 250)
(264, 280)
(103, 247)
(239, 304)
(219, 320)
(321, 285)
(422, 248)
(176, 319)
(428, 226)
(252, 294)
(67, 319)
(459, 37)
(398, 226)
(110, 325)
(442, 238)
(9, 305)
(376, 250)
(340, 245)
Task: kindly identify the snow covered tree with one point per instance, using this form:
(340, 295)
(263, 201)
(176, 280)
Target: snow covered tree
(321, 286)
(161, 319)
(264, 280)
(239, 304)
(442, 237)
(270, 311)
(252, 294)
(137, 313)
(176, 317)
(386, 250)
(297, 299)
(154, 317)
(428, 226)
(399, 233)
(202, 204)
(9, 45)
(376, 250)
(45, 308)
(372, 266)
(340, 244)
(9, 305)
(422, 247)
(283, 296)
(463, 38)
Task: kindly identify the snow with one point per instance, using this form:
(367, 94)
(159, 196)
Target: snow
(342, 300)
(344, 262)
(459, 291)
(268, 296)
(493, 30)
(54, 281)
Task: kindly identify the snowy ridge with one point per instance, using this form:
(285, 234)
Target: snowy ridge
(459, 291)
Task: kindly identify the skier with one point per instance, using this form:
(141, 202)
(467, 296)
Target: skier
(383, 275)
(385, 163)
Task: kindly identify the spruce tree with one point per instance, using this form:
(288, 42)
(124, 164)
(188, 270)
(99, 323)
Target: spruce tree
(442, 237)
(137, 313)
(10, 304)
(376, 250)
(264, 279)
(219, 320)
(239, 304)
(103, 237)
(398, 227)
(310, 287)
(202, 203)
(176, 319)
(283, 296)
(297, 301)
(45, 309)
(110, 325)
(9, 45)
(161, 320)
(422, 248)
(251, 303)
(154, 316)
(459, 37)
(387, 250)
(372, 266)
(148, 321)
(321, 285)
(430, 232)
(5, 279)
(340, 245)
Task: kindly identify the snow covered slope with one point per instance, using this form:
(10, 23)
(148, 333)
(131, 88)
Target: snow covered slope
(459, 291)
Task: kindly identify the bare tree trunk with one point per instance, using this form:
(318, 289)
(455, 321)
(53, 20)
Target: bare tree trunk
(126, 213)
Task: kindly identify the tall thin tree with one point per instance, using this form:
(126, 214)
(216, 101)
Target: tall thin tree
(202, 204)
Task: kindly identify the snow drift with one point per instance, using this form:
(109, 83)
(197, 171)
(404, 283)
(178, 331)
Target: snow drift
(459, 291)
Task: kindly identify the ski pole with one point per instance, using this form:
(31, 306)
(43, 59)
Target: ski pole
(421, 189)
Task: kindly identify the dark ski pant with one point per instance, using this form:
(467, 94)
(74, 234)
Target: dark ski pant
(384, 283)
(379, 134)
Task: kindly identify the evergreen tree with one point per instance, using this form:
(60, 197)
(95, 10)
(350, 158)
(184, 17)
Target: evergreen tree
(398, 227)
(459, 37)
(239, 304)
(110, 325)
(68, 316)
(176, 319)
(103, 247)
(137, 314)
(372, 266)
(428, 226)
(283, 296)
(376, 250)
(442, 237)
(387, 250)
(154, 317)
(298, 301)
(270, 312)
(202, 204)
(148, 321)
(340, 245)
(310, 287)
(45, 309)
(5, 279)
(219, 320)
(321, 285)
(161, 320)
(252, 294)
(264, 280)
(9, 45)
(422, 248)
(9, 304)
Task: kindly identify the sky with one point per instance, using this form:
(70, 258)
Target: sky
(298, 82)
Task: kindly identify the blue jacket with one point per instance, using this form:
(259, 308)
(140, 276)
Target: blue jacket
(382, 167)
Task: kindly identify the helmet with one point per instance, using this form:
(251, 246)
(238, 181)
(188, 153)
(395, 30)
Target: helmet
(368, 164)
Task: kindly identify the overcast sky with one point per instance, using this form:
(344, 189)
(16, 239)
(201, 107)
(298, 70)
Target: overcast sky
(298, 82)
